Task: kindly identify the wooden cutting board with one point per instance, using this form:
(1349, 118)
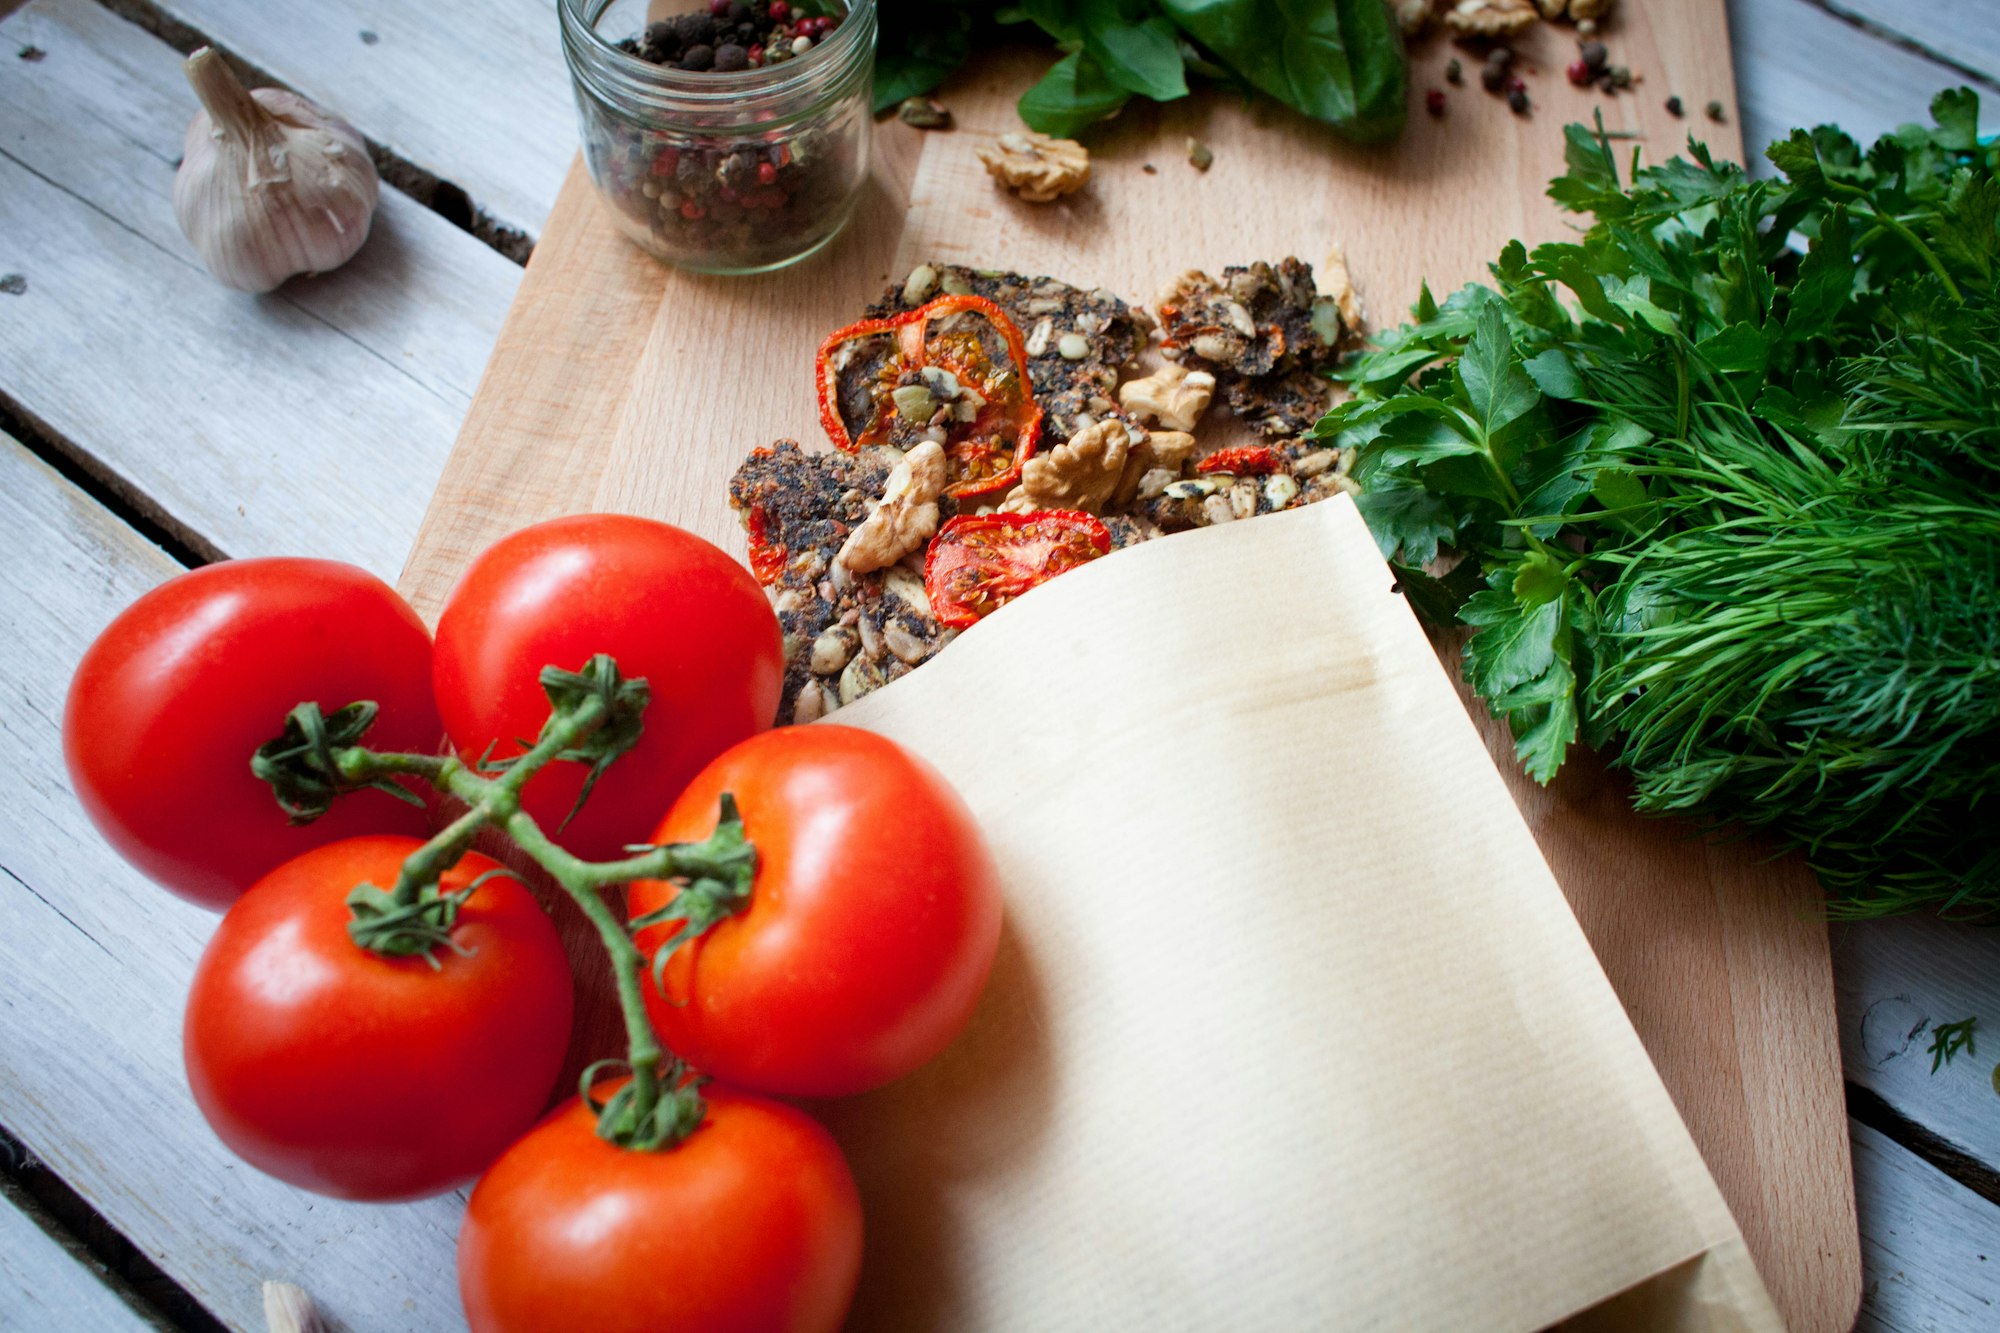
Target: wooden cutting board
(621, 385)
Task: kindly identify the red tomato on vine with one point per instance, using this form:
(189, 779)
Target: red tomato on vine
(871, 925)
(172, 699)
(365, 1077)
(752, 1223)
(670, 607)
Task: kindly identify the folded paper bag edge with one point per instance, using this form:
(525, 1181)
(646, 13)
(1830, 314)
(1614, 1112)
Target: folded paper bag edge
(1325, 551)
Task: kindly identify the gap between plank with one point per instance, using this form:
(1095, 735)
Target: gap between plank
(87, 474)
(1862, 23)
(442, 197)
(1871, 1110)
(46, 1200)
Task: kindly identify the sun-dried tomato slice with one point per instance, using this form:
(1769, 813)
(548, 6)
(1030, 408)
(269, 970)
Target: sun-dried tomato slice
(931, 372)
(979, 562)
(767, 558)
(1245, 460)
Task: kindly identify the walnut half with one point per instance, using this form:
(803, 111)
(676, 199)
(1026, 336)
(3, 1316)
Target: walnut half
(1079, 473)
(907, 513)
(1039, 167)
(1173, 396)
(1491, 18)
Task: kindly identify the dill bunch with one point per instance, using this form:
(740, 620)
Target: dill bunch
(1718, 488)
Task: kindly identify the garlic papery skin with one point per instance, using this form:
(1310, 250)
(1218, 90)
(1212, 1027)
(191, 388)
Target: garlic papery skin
(269, 184)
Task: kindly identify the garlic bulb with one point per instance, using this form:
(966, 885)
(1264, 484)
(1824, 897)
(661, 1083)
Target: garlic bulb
(269, 184)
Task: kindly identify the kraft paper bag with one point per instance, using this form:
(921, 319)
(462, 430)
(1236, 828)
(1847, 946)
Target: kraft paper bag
(1291, 1027)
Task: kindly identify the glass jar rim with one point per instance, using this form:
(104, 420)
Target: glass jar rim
(620, 76)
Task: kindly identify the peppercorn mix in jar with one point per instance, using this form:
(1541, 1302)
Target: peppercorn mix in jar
(729, 138)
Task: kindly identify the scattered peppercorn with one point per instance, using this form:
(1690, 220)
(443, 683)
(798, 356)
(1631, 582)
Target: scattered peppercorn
(1501, 56)
(31, 53)
(1199, 155)
(1493, 77)
(1616, 79)
(1715, 111)
(1150, 169)
(1579, 73)
(1454, 73)
(1594, 54)
(1674, 107)
(369, 37)
(1517, 84)
(1434, 101)
(1517, 100)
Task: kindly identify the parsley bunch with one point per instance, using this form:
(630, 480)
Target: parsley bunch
(1717, 485)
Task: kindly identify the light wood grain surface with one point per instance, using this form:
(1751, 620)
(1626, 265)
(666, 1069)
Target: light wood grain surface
(102, 386)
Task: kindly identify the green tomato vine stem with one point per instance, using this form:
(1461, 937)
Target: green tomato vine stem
(660, 1104)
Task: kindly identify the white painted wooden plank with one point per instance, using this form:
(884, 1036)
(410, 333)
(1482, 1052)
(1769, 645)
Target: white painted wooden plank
(1895, 981)
(233, 414)
(94, 962)
(1965, 32)
(475, 94)
(43, 1287)
(1930, 1247)
(1796, 64)
(419, 294)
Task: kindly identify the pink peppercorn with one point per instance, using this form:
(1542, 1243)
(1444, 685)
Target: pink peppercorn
(766, 174)
(1434, 101)
(757, 54)
(718, 8)
(667, 162)
(1579, 73)
(728, 195)
(1517, 85)
(780, 11)
(691, 210)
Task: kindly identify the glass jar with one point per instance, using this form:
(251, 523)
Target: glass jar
(735, 172)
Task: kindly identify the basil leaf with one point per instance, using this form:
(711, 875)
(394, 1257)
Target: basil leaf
(1072, 96)
(917, 54)
(1057, 18)
(1340, 61)
(1140, 57)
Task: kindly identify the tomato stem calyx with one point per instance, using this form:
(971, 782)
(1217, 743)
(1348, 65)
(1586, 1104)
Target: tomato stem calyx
(595, 716)
(718, 873)
(379, 923)
(676, 1108)
(301, 763)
